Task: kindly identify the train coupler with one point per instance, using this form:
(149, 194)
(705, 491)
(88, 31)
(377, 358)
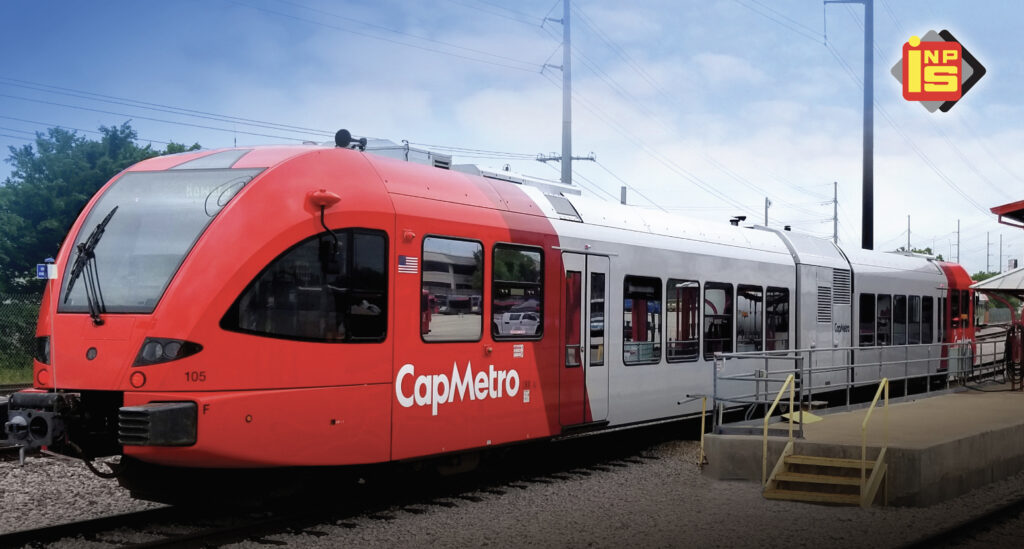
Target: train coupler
(37, 419)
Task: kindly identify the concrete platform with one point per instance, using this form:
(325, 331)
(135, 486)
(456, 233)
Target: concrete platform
(939, 446)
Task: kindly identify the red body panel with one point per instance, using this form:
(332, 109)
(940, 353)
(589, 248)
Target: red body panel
(320, 426)
(324, 403)
(961, 329)
(480, 213)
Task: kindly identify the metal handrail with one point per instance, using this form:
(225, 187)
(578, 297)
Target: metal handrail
(764, 449)
(964, 353)
(884, 384)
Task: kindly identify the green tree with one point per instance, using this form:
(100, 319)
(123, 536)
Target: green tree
(49, 185)
(983, 275)
(923, 251)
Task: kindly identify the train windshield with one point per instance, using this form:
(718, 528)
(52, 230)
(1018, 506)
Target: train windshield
(152, 220)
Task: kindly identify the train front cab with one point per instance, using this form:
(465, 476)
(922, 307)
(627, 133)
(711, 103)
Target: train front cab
(249, 332)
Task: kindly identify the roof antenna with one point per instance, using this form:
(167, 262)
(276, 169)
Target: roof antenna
(344, 140)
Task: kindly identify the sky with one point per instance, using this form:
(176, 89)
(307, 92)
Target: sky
(701, 108)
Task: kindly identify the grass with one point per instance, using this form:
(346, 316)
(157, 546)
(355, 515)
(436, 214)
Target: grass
(15, 375)
(15, 368)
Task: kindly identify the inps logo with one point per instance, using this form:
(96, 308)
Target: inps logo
(931, 70)
(936, 70)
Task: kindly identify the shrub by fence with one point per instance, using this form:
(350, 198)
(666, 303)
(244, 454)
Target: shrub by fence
(18, 313)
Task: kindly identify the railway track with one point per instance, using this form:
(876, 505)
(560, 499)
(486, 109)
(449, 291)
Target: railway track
(381, 496)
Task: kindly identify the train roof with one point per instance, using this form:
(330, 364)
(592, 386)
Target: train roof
(872, 260)
(557, 201)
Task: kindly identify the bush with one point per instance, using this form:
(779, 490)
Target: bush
(18, 315)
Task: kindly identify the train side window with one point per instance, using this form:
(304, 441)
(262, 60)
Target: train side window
(883, 318)
(899, 320)
(867, 320)
(641, 327)
(452, 274)
(954, 308)
(776, 317)
(942, 320)
(749, 318)
(965, 308)
(717, 319)
(320, 290)
(683, 320)
(516, 292)
(926, 320)
(913, 320)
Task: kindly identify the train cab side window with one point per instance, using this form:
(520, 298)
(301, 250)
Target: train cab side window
(717, 319)
(517, 280)
(913, 320)
(641, 327)
(867, 320)
(776, 319)
(452, 278)
(899, 320)
(749, 318)
(683, 320)
(320, 290)
(883, 320)
(926, 320)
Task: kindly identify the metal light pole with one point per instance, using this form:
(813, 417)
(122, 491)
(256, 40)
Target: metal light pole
(868, 191)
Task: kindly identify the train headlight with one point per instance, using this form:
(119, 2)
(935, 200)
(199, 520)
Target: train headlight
(157, 350)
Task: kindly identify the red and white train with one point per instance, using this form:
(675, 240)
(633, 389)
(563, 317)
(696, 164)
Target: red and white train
(314, 305)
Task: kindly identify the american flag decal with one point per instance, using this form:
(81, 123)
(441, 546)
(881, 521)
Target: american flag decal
(408, 264)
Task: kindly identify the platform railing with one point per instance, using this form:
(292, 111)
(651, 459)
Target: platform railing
(817, 370)
(764, 447)
(869, 486)
(883, 387)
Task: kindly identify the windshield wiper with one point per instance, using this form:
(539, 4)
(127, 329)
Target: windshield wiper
(86, 261)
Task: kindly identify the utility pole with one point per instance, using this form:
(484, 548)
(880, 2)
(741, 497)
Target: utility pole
(908, 233)
(566, 67)
(988, 252)
(566, 97)
(767, 204)
(1000, 252)
(835, 212)
(958, 241)
(867, 192)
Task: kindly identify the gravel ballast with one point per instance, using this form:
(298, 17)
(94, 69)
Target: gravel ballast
(665, 502)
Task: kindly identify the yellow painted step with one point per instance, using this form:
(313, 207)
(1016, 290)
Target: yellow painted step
(787, 476)
(812, 497)
(828, 462)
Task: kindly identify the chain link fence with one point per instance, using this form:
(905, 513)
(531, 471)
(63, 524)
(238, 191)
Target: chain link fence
(18, 314)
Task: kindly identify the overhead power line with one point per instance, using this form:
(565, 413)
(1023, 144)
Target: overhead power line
(151, 119)
(496, 59)
(114, 100)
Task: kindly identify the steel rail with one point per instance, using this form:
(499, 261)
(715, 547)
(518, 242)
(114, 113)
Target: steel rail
(50, 534)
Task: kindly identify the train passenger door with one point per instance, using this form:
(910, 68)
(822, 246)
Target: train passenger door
(583, 375)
